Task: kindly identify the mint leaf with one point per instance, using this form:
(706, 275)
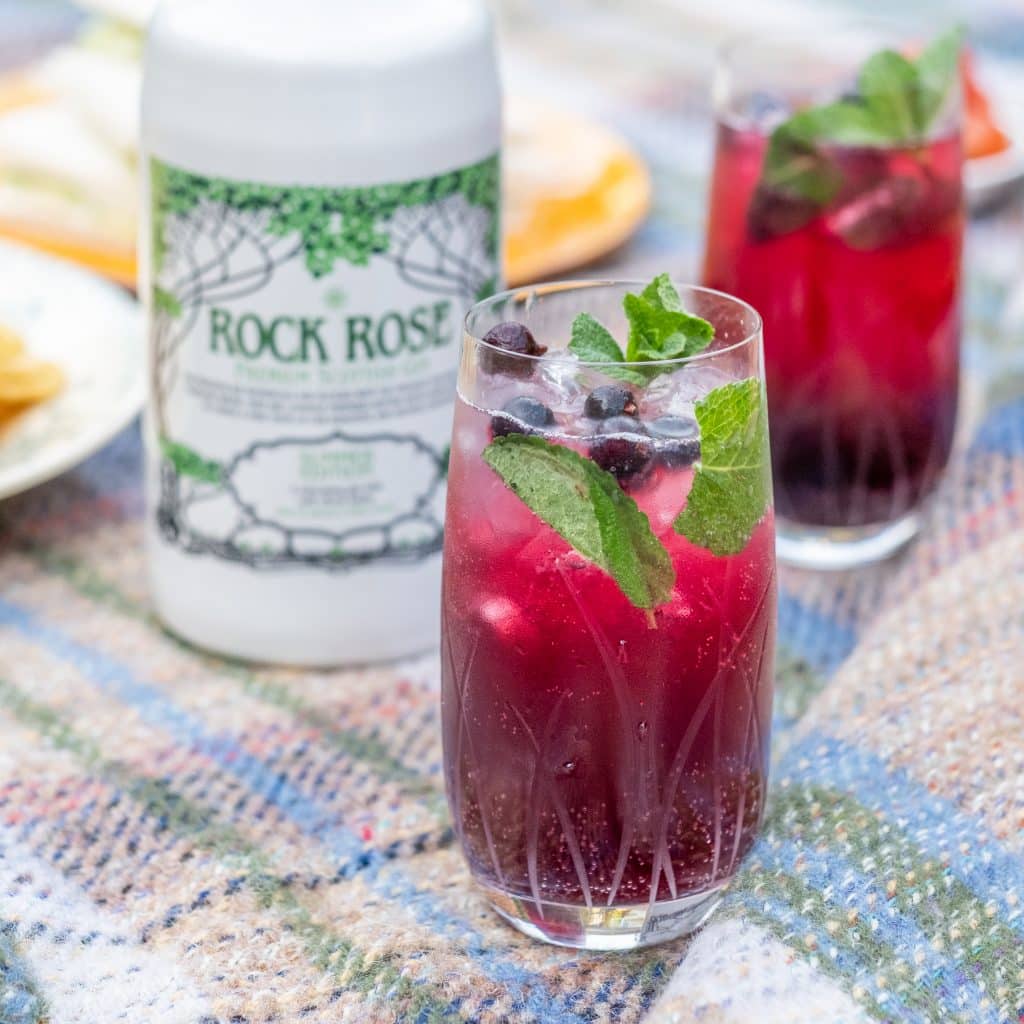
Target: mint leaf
(897, 103)
(937, 70)
(798, 178)
(847, 122)
(594, 343)
(795, 169)
(732, 485)
(661, 292)
(794, 165)
(888, 86)
(659, 329)
(657, 333)
(589, 510)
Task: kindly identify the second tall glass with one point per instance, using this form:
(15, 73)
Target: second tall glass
(837, 211)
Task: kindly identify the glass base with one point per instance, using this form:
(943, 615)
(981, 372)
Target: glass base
(826, 547)
(599, 928)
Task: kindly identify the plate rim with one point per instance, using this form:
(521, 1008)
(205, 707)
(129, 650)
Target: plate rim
(53, 461)
(994, 173)
(995, 170)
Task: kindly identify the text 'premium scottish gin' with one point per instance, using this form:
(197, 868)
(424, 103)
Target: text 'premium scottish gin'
(322, 207)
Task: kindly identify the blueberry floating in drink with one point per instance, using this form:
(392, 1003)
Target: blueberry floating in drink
(523, 415)
(516, 339)
(677, 440)
(622, 449)
(609, 400)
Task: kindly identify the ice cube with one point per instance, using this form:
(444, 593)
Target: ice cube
(694, 382)
(912, 200)
(560, 384)
(661, 396)
(665, 498)
(675, 394)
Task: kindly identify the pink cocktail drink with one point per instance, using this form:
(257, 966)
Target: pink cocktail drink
(602, 759)
(862, 321)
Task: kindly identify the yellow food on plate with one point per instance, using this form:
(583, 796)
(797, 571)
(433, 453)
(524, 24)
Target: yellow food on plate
(11, 344)
(575, 191)
(24, 380)
(67, 174)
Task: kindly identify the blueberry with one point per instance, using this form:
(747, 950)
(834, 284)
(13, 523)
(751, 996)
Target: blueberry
(677, 439)
(623, 425)
(609, 400)
(514, 338)
(520, 415)
(623, 450)
(772, 214)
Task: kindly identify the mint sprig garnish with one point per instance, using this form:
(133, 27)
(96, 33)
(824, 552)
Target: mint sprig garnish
(659, 329)
(732, 484)
(593, 343)
(662, 294)
(586, 506)
(897, 102)
(657, 333)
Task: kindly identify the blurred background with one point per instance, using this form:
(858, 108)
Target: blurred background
(609, 131)
(641, 68)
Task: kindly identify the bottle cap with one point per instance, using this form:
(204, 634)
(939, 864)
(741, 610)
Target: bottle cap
(364, 93)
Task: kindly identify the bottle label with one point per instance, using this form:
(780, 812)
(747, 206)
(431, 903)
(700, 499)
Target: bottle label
(304, 349)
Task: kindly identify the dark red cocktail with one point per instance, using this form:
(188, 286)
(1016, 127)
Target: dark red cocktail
(860, 294)
(602, 759)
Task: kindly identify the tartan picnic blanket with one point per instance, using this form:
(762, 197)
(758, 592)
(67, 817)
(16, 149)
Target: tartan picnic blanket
(186, 839)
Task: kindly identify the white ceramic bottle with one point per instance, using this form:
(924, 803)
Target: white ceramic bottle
(321, 187)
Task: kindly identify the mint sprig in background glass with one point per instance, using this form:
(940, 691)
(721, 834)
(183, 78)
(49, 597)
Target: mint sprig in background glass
(897, 100)
(837, 210)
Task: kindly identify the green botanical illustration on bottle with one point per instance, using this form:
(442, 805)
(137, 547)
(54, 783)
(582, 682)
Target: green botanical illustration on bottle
(220, 248)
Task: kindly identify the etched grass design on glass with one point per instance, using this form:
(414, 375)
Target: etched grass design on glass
(605, 761)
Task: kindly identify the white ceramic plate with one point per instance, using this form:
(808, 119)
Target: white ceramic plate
(990, 179)
(93, 331)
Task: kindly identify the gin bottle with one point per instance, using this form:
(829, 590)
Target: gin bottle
(321, 191)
